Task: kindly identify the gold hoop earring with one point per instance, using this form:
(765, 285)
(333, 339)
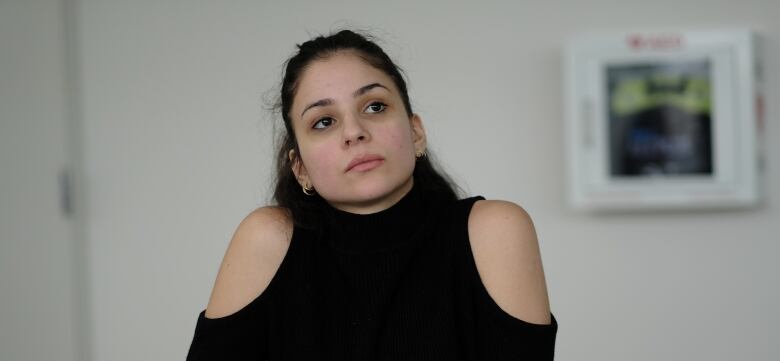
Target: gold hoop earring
(308, 191)
(419, 154)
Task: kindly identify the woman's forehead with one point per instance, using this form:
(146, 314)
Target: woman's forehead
(337, 77)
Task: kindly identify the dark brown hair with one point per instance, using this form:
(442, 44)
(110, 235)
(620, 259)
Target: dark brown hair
(287, 192)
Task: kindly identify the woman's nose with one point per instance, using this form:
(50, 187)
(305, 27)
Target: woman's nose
(354, 131)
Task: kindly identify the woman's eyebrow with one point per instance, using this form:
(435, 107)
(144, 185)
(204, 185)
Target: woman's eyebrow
(319, 103)
(362, 90)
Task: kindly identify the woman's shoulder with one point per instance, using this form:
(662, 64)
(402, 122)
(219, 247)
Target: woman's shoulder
(491, 212)
(268, 218)
(253, 256)
(506, 251)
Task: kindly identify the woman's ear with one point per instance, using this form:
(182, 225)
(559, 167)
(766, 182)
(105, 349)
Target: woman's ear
(418, 134)
(298, 168)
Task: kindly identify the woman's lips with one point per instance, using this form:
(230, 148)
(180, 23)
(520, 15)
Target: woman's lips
(368, 165)
(365, 162)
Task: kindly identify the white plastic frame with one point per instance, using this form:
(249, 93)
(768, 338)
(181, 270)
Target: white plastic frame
(736, 114)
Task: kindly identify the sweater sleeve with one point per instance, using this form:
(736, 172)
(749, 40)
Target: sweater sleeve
(239, 336)
(501, 336)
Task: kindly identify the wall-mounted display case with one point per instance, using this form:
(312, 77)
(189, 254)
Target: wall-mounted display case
(663, 119)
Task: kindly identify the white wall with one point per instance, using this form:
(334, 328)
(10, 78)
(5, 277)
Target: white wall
(178, 149)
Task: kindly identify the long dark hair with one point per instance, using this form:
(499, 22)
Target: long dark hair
(288, 193)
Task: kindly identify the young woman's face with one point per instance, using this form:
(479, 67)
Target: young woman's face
(356, 141)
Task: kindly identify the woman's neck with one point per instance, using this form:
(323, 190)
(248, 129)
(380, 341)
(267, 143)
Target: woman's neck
(385, 229)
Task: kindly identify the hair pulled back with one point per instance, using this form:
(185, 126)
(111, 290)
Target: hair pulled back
(288, 192)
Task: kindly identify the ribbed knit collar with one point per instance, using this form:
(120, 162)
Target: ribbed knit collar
(384, 230)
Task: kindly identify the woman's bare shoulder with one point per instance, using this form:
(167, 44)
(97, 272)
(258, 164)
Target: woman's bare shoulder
(506, 252)
(253, 256)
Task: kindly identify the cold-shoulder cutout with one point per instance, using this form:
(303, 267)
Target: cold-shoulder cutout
(506, 252)
(251, 261)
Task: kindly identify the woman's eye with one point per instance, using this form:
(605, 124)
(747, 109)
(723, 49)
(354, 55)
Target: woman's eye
(376, 107)
(323, 123)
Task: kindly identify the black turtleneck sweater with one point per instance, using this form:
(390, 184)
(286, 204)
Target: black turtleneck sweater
(400, 284)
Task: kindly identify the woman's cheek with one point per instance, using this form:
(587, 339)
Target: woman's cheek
(324, 165)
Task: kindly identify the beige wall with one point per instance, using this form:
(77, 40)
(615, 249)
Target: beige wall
(178, 149)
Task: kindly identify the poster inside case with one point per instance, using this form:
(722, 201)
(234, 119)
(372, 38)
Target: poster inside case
(663, 120)
(659, 118)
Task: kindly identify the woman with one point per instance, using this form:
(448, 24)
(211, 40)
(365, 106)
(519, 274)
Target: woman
(369, 254)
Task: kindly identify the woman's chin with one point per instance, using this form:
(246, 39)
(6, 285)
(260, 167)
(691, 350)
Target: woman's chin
(364, 202)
